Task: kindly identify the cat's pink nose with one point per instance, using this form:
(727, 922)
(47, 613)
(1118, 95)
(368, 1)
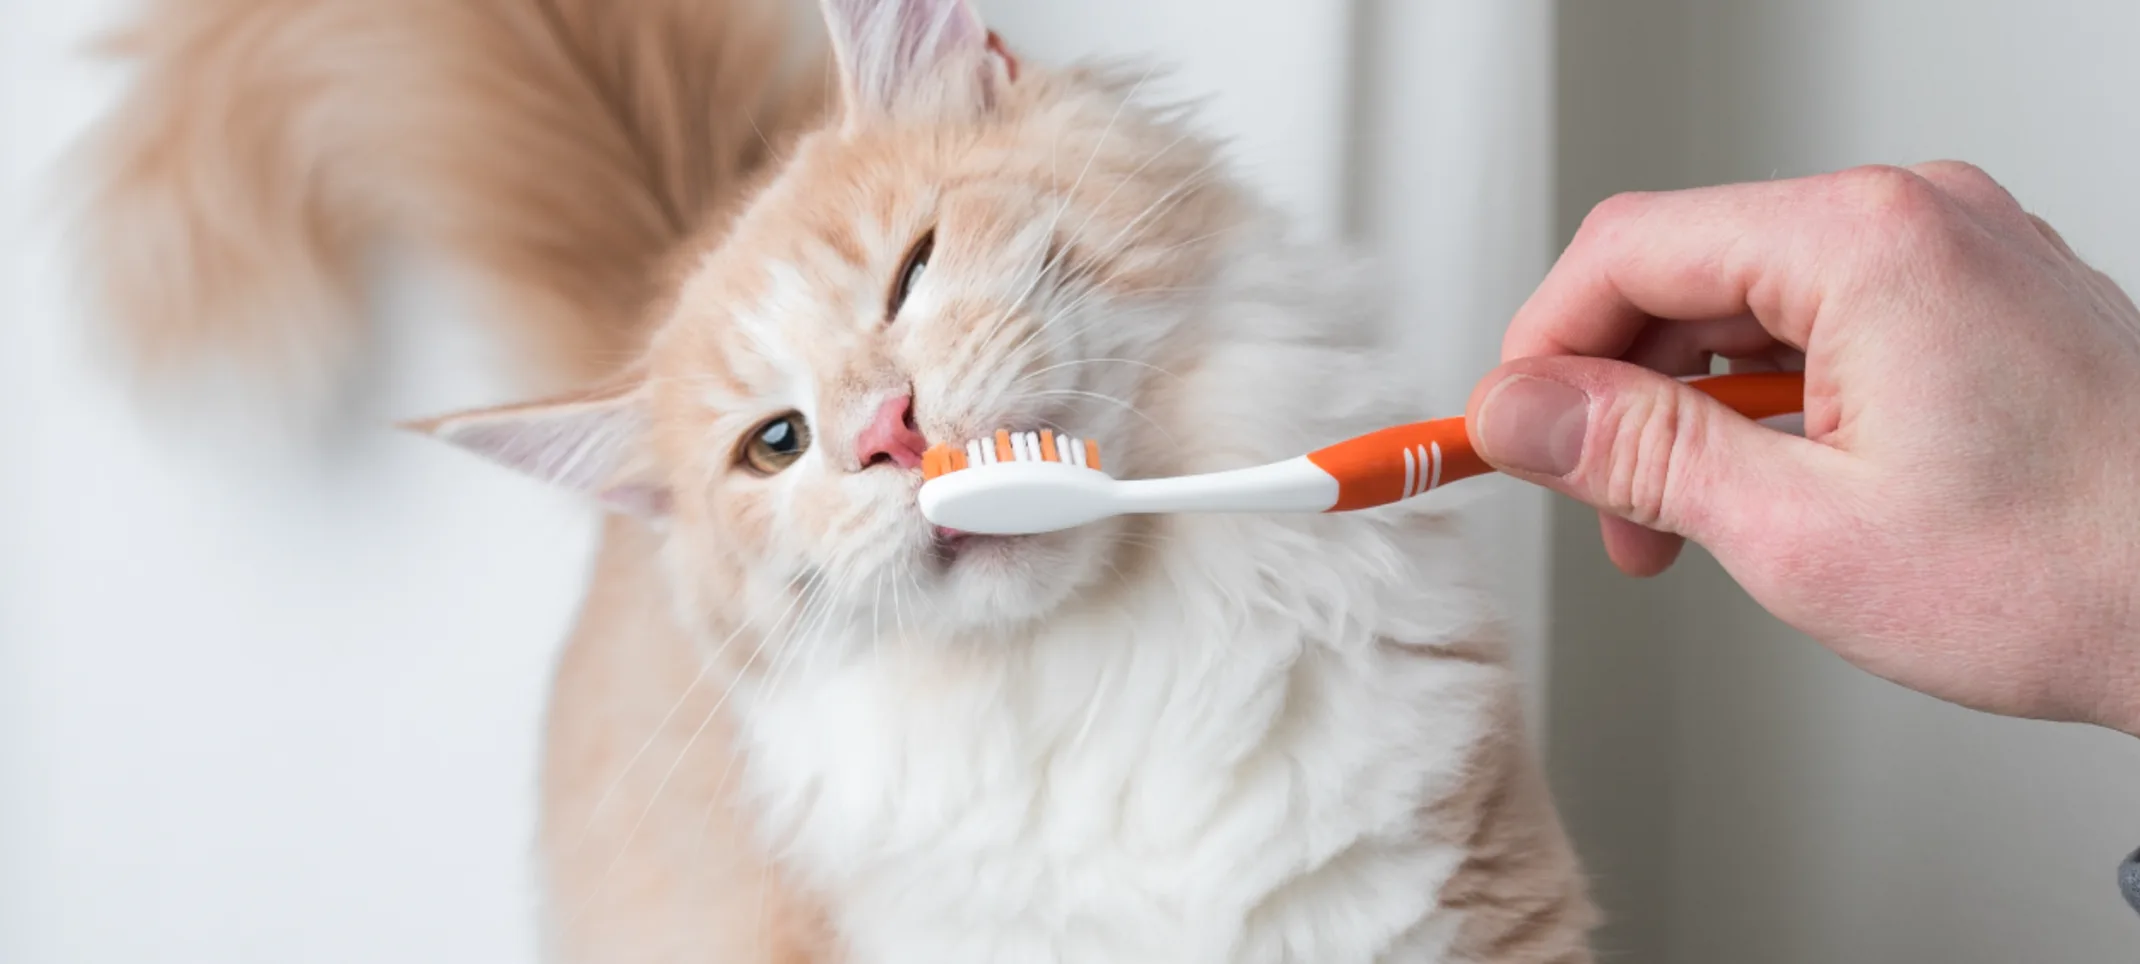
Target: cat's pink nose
(891, 436)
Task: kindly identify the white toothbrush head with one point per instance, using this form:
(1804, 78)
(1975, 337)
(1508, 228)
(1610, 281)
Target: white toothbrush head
(1016, 483)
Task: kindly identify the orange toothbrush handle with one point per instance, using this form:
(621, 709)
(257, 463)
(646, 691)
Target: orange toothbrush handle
(1756, 395)
(1403, 461)
(1399, 462)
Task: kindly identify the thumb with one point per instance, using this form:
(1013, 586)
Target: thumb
(1639, 446)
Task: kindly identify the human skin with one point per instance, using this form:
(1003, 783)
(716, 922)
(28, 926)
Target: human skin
(1963, 515)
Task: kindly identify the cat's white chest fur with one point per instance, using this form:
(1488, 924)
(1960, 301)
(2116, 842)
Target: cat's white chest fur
(1153, 783)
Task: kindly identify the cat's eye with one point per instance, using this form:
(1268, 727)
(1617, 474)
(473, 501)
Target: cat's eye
(910, 273)
(776, 444)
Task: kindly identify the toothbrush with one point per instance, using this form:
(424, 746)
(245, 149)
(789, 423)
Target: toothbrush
(1020, 483)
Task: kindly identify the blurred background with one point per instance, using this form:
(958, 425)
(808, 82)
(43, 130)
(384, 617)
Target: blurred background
(273, 695)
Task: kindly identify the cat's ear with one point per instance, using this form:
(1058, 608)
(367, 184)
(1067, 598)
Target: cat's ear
(593, 442)
(915, 56)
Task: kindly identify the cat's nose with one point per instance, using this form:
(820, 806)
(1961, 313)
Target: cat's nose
(890, 437)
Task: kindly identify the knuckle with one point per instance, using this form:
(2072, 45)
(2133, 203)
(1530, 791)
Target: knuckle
(1651, 437)
(1890, 195)
(1974, 191)
(2052, 237)
(1903, 220)
(1960, 177)
(1609, 216)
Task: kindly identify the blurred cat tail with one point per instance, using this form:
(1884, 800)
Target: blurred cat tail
(263, 149)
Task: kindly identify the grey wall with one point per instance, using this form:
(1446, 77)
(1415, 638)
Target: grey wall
(1623, 125)
(1742, 795)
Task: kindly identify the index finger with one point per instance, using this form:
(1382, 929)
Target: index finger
(1699, 255)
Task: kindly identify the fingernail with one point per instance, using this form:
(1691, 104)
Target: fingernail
(1534, 425)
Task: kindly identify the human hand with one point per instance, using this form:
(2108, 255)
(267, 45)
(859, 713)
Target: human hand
(1963, 516)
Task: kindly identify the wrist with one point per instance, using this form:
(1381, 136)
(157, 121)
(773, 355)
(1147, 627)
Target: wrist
(2118, 692)
(2115, 686)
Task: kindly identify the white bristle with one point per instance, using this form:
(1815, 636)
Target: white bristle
(1027, 447)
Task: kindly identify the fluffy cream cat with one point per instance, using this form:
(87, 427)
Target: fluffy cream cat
(796, 722)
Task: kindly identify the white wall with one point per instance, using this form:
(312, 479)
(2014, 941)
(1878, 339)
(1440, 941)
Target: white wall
(266, 701)
(263, 700)
(1745, 796)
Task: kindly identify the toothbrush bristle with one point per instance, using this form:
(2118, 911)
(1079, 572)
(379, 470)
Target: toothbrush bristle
(1007, 446)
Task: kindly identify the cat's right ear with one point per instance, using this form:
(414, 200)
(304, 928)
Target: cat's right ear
(915, 56)
(593, 442)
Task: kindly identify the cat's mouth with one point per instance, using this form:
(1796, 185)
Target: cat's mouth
(953, 546)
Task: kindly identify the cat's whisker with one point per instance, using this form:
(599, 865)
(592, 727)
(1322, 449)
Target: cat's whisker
(1050, 319)
(1127, 180)
(841, 563)
(1120, 577)
(1100, 145)
(1146, 540)
(1042, 259)
(1092, 709)
(1047, 320)
(784, 659)
(713, 802)
(791, 651)
(1061, 338)
(1039, 265)
(610, 793)
(706, 665)
(1162, 205)
(1055, 222)
(1095, 361)
(923, 594)
(786, 652)
(1111, 400)
(899, 612)
(1147, 289)
(876, 629)
(752, 117)
(1094, 287)
(654, 797)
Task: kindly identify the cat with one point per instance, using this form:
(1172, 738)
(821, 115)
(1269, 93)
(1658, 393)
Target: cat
(796, 722)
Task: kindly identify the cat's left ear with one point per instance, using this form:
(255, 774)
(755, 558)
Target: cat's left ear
(916, 57)
(593, 442)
